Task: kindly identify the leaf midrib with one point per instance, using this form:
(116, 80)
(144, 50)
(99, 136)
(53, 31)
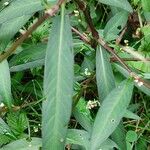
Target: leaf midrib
(95, 139)
(60, 49)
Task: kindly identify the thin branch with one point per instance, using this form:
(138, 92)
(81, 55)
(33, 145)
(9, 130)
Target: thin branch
(118, 40)
(49, 13)
(113, 59)
(121, 60)
(86, 11)
(83, 37)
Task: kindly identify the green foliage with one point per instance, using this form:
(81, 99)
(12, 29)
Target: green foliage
(124, 4)
(17, 122)
(115, 25)
(68, 71)
(110, 113)
(23, 144)
(58, 84)
(5, 84)
(104, 74)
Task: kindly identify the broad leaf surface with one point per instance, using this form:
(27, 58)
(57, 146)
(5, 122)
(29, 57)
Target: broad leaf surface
(29, 54)
(119, 136)
(115, 25)
(108, 144)
(78, 137)
(104, 74)
(19, 8)
(131, 115)
(5, 84)
(124, 4)
(9, 29)
(23, 144)
(111, 112)
(143, 88)
(58, 84)
(28, 65)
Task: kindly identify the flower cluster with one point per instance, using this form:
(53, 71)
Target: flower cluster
(92, 104)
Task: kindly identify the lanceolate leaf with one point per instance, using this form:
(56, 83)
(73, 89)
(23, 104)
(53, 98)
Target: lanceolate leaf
(9, 29)
(58, 84)
(5, 84)
(143, 88)
(82, 115)
(29, 65)
(124, 4)
(23, 144)
(108, 144)
(104, 74)
(119, 136)
(115, 25)
(19, 8)
(110, 113)
(131, 115)
(78, 137)
(29, 54)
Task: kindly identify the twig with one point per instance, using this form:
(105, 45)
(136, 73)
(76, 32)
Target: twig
(49, 13)
(83, 6)
(113, 59)
(118, 40)
(110, 50)
(86, 11)
(83, 38)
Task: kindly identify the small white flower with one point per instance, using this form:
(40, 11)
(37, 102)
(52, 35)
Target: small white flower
(136, 80)
(76, 13)
(87, 72)
(35, 129)
(140, 84)
(6, 3)
(79, 20)
(92, 104)
(2, 105)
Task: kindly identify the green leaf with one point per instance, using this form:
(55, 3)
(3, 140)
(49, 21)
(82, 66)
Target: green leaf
(9, 29)
(18, 122)
(131, 115)
(108, 144)
(28, 54)
(111, 112)
(5, 84)
(78, 137)
(146, 5)
(83, 115)
(142, 88)
(29, 65)
(131, 136)
(5, 133)
(115, 25)
(58, 84)
(23, 144)
(104, 75)
(19, 8)
(4, 127)
(124, 4)
(119, 136)
(141, 144)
